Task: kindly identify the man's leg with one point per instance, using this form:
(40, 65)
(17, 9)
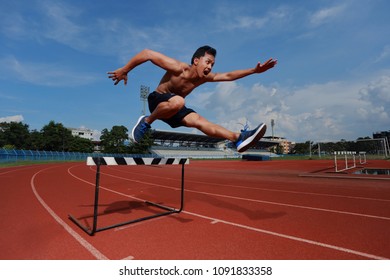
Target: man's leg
(243, 140)
(209, 128)
(166, 109)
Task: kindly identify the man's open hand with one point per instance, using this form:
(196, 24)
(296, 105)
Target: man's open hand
(266, 65)
(117, 76)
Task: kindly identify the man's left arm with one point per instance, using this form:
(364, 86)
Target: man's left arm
(238, 74)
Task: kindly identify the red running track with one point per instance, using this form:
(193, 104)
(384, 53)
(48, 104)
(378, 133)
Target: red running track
(232, 210)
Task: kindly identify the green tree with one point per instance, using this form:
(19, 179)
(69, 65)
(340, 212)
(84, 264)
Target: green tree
(15, 134)
(302, 148)
(82, 145)
(142, 147)
(56, 137)
(113, 141)
(36, 141)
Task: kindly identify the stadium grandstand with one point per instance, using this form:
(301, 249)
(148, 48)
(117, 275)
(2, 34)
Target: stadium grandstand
(179, 144)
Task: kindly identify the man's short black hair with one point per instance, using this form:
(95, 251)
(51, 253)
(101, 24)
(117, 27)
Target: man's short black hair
(202, 51)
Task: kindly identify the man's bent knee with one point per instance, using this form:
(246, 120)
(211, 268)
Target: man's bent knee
(176, 103)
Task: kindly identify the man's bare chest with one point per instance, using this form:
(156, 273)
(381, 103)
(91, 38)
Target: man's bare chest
(182, 86)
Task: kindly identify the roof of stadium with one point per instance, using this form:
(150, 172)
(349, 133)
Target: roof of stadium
(200, 139)
(172, 136)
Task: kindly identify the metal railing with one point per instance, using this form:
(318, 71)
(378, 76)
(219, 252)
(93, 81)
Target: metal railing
(7, 155)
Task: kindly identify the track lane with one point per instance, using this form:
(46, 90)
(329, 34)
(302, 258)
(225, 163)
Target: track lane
(29, 232)
(251, 228)
(232, 204)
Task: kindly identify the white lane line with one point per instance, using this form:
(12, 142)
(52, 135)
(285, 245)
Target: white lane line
(128, 258)
(17, 168)
(294, 206)
(295, 192)
(343, 177)
(95, 252)
(286, 236)
(253, 188)
(256, 200)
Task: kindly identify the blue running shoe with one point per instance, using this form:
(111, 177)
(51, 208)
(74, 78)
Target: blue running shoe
(249, 138)
(140, 129)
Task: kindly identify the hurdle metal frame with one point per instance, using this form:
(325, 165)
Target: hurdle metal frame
(98, 161)
(362, 158)
(346, 154)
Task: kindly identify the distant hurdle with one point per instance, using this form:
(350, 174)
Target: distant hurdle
(362, 158)
(349, 160)
(98, 161)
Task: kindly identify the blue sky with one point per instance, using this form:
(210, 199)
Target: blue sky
(332, 80)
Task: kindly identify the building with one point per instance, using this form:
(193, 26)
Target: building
(82, 133)
(285, 146)
(382, 134)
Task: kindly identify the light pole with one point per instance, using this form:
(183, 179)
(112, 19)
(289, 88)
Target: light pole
(144, 92)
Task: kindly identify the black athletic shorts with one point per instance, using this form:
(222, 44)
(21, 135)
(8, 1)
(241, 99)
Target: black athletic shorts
(156, 98)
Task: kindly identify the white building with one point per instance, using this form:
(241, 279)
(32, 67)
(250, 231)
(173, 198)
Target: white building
(82, 132)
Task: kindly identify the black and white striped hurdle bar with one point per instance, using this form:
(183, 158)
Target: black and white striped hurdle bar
(135, 161)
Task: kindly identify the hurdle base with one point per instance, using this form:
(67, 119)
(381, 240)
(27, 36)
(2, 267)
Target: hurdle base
(91, 231)
(169, 210)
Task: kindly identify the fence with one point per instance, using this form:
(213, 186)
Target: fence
(29, 155)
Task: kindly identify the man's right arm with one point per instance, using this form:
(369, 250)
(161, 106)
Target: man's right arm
(163, 61)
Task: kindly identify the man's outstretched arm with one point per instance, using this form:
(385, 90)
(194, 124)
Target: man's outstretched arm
(238, 74)
(163, 61)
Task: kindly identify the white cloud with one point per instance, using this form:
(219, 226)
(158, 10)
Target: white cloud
(326, 14)
(64, 23)
(13, 25)
(385, 54)
(376, 95)
(59, 23)
(236, 19)
(247, 22)
(42, 73)
(53, 20)
(318, 112)
(8, 119)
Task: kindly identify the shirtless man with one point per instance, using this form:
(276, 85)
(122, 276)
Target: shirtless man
(167, 102)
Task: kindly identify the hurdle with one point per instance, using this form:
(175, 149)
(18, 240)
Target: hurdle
(99, 161)
(362, 158)
(346, 154)
(347, 165)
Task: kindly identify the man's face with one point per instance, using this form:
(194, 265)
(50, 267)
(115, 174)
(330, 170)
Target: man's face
(204, 64)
